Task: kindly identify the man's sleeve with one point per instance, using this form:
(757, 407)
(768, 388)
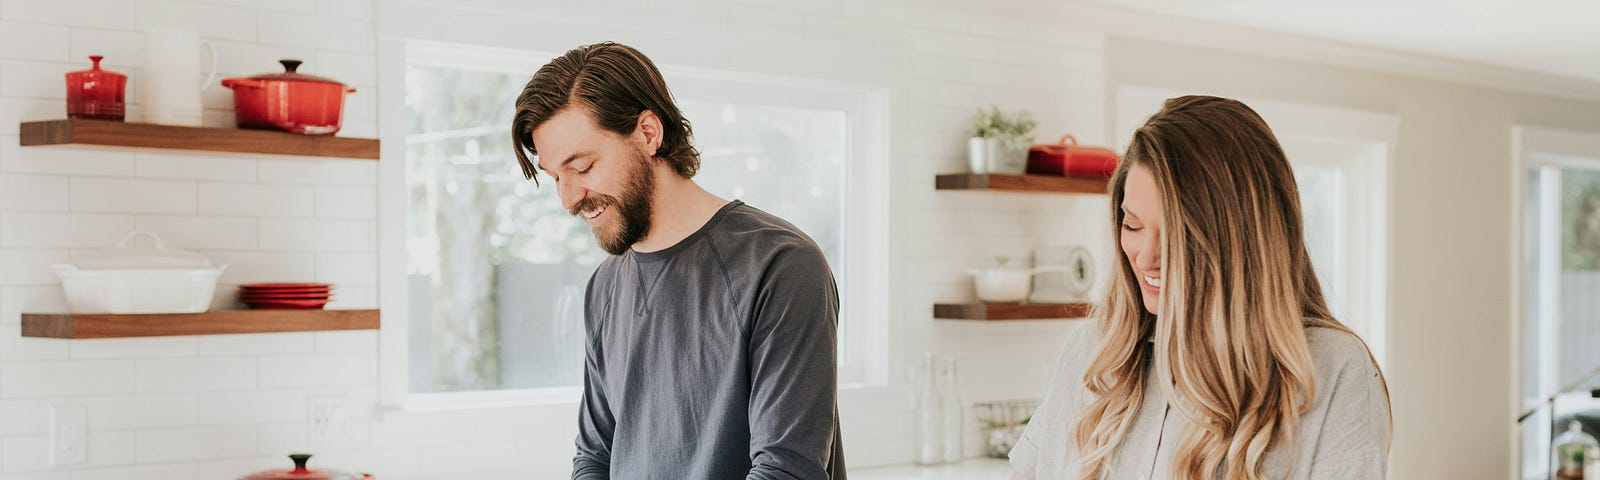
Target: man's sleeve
(793, 371)
(595, 424)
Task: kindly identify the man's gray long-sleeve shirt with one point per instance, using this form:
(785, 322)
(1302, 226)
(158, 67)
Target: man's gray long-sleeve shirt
(713, 358)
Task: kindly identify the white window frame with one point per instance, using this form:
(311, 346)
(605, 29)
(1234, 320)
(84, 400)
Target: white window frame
(1549, 150)
(1367, 190)
(865, 246)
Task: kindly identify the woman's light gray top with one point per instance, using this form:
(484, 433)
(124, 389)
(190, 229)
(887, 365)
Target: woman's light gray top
(1344, 436)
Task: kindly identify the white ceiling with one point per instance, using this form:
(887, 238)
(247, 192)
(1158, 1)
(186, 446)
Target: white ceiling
(1558, 37)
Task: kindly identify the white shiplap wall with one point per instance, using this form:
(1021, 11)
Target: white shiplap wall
(222, 406)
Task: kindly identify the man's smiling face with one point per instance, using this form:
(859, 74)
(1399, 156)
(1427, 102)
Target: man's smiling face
(600, 176)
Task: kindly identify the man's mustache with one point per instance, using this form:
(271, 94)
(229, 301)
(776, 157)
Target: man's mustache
(592, 203)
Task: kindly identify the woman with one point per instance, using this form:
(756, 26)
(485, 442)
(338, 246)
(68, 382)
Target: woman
(1214, 354)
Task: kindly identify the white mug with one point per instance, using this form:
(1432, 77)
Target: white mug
(168, 95)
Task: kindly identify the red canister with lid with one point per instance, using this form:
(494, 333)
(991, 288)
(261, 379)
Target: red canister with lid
(96, 93)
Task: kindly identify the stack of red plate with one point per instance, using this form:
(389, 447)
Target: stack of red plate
(286, 295)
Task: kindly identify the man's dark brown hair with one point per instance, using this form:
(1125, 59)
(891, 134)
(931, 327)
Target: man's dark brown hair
(614, 83)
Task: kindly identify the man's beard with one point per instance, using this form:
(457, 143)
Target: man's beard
(632, 209)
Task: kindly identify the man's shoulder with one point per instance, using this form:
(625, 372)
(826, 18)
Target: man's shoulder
(750, 229)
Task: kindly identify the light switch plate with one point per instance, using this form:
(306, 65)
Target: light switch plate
(69, 425)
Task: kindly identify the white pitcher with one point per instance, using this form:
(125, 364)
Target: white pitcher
(168, 94)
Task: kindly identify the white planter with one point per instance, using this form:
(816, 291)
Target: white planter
(988, 155)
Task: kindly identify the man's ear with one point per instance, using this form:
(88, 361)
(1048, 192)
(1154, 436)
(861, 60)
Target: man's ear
(648, 131)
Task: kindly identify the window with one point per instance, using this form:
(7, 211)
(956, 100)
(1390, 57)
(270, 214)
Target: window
(497, 269)
(1559, 252)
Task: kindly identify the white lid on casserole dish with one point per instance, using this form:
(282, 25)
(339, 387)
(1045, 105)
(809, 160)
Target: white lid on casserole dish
(126, 256)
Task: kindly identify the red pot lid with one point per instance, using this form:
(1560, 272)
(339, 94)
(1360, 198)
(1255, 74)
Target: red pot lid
(289, 74)
(300, 472)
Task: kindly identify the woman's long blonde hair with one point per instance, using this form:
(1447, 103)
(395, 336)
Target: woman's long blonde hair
(1239, 292)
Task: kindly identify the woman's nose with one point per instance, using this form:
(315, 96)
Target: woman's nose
(1149, 253)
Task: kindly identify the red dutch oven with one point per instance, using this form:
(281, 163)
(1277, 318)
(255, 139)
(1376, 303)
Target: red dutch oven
(288, 101)
(300, 472)
(1067, 158)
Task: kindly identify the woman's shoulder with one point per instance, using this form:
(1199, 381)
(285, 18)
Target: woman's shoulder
(1333, 347)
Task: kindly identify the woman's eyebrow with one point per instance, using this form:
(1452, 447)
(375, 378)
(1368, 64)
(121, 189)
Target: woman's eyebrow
(1130, 214)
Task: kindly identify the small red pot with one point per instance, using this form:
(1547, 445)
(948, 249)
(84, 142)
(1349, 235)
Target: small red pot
(288, 101)
(96, 93)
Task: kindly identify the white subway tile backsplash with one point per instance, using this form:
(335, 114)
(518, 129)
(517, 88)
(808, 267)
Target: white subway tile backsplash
(347, 341)
(33, 41)
(39, 193)
(286, 437)
(170, 471)
(357, 70)
(122, 49)
(316, 235)
(14, 300)
(137, 196)
(107, 449)
(482, 457)
(220, 167)
(226, 233)
(318, 172)
(253, 406)
(326, 33)
(243, 59)
(347, 202)
(14, 111)
(238, 467)
(114, 14)
(354, 298)
(319, 370)
(67, 377)
(187, 444)
(257, 344)
(211, 21)
(63, 230)
(256, 200)
(28, 266)
(139, 347)
(263, 267)
(354, 9)
(26, 416)
(195, 374)
(29, 79)
(127, 412)
(59, 160)
(23, 454)
(14, 346)
(347, 269)
(298, 6)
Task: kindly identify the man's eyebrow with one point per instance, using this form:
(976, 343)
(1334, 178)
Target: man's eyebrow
(570, 159)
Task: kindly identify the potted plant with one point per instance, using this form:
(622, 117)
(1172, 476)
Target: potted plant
(1000, 142)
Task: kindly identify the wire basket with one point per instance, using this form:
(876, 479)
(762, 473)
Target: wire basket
(1003, 422)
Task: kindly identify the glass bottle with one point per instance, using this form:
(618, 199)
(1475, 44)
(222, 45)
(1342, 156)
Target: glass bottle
(954, 427)
(929, 421)
(1574, 450)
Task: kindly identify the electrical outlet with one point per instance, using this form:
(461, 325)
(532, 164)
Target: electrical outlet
(69, 425)
(327, 417)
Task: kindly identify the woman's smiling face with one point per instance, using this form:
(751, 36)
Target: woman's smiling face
(1140, 233)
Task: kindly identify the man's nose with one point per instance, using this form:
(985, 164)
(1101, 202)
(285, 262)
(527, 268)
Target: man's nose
(571, 193)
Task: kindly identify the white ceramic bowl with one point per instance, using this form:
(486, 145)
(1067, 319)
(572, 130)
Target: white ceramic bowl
(168, 290)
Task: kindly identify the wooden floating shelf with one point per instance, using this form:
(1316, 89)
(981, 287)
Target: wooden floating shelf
(109, 133)
(1021, 183)
(216, 322)
(1010, 311)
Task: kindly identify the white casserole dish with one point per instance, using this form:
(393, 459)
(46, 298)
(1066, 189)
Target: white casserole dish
(125, 279)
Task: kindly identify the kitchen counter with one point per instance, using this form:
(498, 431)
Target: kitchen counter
(970, 469)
